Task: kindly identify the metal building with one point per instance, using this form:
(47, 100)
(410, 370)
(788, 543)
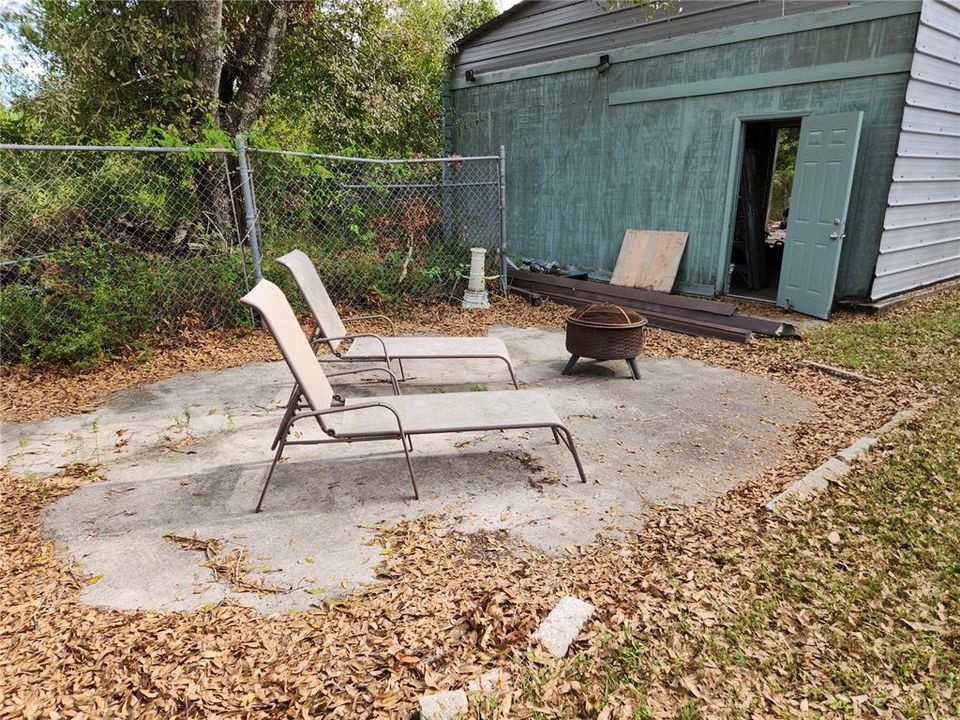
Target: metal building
(614, 120)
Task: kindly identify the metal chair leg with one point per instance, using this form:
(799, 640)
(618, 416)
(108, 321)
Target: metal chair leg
(513, 375)
(413, 480)
(568, 441)
(556, 435)
(273, 465)
(403, 375)
(288, 413)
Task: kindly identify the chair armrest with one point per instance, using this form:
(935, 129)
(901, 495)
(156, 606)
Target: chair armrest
(316, 342)
(393, 328)
(388, 371)
(346, 408)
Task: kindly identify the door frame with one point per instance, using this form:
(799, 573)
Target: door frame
(733, 186)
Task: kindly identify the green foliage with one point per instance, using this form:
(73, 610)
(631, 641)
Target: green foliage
(83, 301)
(365, 274)
(788, 142)
(104, 251)
(359, 78)
(368, 79)
(106, 65)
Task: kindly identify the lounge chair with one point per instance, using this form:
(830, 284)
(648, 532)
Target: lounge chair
(390, 417)
(331, 330)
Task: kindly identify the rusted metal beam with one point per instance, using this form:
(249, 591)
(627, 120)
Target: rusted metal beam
(662, 320)
(694, 316)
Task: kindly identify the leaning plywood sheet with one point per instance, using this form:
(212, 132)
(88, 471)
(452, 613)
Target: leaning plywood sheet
(649, 259)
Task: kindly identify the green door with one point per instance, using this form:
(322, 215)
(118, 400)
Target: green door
(822, 179)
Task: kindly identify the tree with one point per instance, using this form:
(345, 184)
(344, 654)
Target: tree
(369, 78)
(360, 73)
(132, 64)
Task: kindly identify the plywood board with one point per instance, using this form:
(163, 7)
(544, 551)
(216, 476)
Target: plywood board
(649, 259)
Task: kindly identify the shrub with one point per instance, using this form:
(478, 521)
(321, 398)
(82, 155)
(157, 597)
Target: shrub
(82, 301)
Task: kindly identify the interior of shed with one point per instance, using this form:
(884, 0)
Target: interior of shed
(766, 180)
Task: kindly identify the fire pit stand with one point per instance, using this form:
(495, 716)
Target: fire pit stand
(605, 332)
(632, 362)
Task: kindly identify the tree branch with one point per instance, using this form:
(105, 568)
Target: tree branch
(255, 76)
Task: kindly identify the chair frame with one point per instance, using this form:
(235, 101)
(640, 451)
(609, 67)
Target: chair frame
(312, 387)
(317, 338)
(561, 435)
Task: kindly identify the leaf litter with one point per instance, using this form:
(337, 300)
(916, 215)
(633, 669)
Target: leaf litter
(450, 606)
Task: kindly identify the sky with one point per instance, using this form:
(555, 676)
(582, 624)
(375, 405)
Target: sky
(9, 57)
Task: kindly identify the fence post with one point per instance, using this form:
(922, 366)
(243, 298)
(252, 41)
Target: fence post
(502, 186)
(249, 205)
(445, 102)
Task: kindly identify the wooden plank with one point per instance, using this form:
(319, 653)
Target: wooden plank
(667, 317)
(662, 320)
(649, 259)
(714, 307)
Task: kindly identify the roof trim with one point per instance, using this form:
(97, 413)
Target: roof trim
(492, 23)
(773, 27)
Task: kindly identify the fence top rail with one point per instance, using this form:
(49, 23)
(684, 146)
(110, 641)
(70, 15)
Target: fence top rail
(375, 161)
(116, 148)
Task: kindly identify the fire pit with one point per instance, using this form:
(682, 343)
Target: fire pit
(605, 332)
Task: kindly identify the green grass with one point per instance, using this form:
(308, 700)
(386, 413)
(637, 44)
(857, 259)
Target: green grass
(862, 622)
(921, 342)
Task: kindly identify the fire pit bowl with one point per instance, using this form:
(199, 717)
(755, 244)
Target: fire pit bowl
(605, 332)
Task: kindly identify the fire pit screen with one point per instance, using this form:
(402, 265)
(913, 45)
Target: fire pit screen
(605, 332)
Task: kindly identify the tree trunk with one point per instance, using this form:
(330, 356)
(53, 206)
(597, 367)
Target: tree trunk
(211, 178)
(208, 24)
(232, 91)
(269, 27)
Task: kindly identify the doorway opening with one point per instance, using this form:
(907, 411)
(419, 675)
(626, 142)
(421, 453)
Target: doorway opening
(763, 212)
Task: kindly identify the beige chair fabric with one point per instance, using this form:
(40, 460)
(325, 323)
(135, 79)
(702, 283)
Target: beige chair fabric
(315, 294)
(269, 300)
(367, 348)
(389, 418)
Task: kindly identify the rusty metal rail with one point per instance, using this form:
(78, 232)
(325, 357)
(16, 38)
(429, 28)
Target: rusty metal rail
(693, 316)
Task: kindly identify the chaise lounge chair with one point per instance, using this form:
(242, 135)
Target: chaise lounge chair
(391, 417)
(376, 348)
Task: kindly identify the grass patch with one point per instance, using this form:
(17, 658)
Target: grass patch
(851, 606)
(920, 341)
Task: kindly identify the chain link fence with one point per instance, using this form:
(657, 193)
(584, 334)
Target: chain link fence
(381, 232)
(106, 248)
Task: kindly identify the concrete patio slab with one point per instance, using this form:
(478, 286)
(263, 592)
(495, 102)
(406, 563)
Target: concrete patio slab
(187, 456)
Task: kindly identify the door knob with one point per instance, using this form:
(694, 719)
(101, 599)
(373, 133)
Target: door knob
(836, 236)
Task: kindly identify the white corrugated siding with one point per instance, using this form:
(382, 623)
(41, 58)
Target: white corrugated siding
(920, 244)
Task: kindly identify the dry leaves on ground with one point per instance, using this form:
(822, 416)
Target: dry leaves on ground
(447, 607)
(36, 394)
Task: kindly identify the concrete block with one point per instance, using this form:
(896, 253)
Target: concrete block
(856, 450)
(443, 706)
(561, 627)
(812, 482)
(489, 682)
(897, 420)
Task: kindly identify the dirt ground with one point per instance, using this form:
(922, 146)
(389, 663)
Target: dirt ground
(451, 604)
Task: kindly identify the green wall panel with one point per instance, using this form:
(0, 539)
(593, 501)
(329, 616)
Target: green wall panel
(580, 171)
